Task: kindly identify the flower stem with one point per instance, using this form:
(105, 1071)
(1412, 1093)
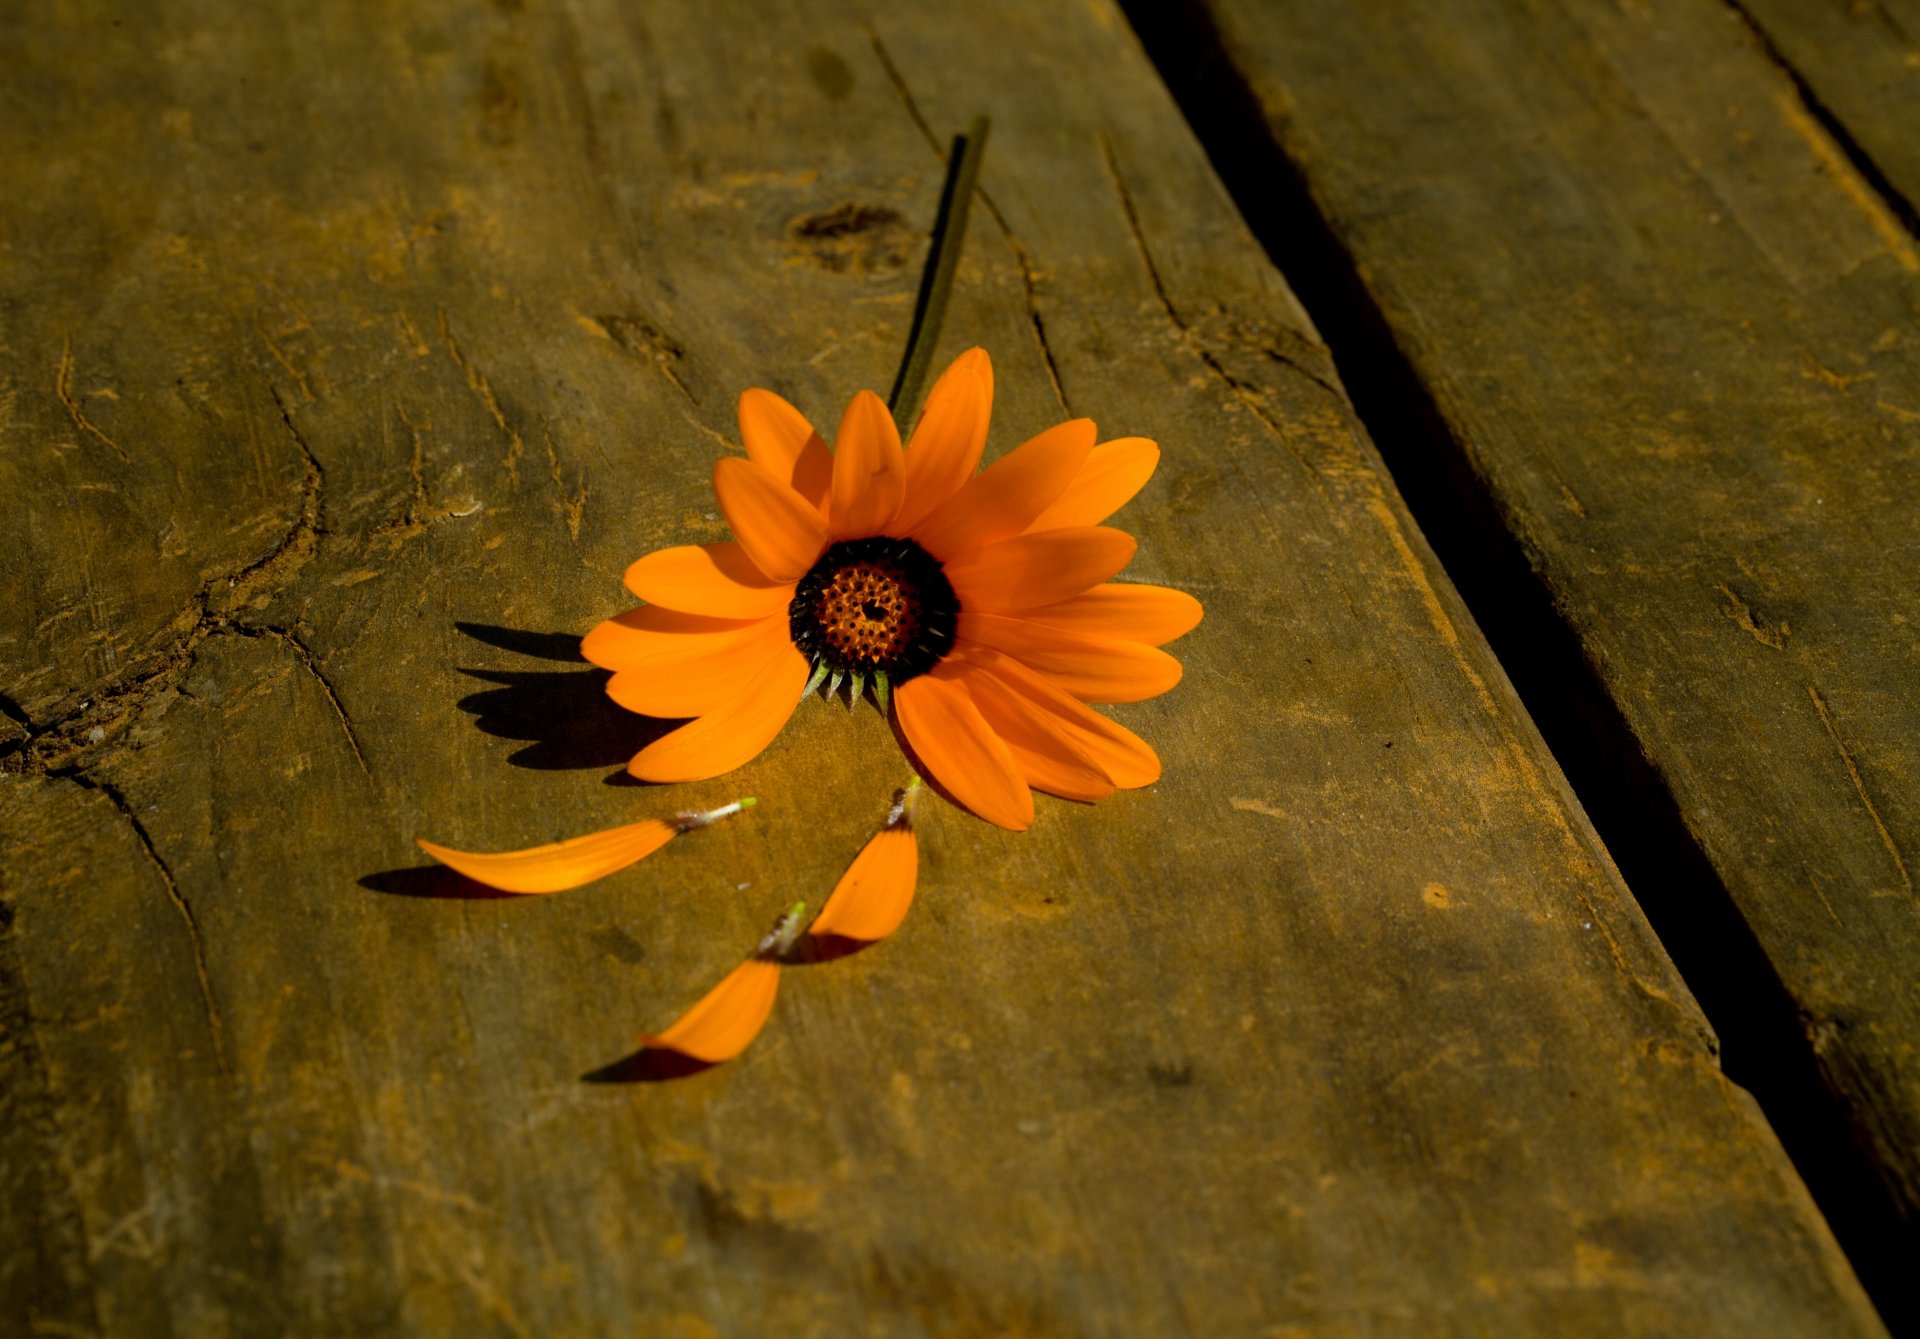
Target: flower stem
(943, 259)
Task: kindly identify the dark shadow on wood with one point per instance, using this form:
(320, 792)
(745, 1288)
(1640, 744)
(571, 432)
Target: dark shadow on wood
(1765, 1044)
(430, 881)
(563, 646)
(565, 715)
(810, 949)
(648, 1065)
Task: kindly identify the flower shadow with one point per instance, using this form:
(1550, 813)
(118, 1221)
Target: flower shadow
(565, 715)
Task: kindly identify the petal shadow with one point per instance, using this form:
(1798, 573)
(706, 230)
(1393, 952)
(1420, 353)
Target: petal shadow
(825, 948)
(565, 715)
(430, 881)
(650, 1064)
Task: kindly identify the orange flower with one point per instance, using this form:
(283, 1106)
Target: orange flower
(979, 605)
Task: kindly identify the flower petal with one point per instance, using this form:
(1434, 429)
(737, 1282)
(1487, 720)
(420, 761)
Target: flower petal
(1040, 569)
(944, 450)
(1114, 472)
(869, 473)
(872, 897)
(780, 441)
(727, 1017)
(1136, 612)
(1048, 754)
(705, 674)
(567, 864)
(960, 750)
(998, 679)
(726, 738)
(651, 632)
(1093, 669)
(780, 530)
(1002, 500)
(716, 580)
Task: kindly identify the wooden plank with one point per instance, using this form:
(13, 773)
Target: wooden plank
(1668, 334)
(1857, 68)
(1348, 1026)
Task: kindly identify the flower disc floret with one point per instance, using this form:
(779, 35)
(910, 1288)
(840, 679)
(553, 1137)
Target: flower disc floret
(872, 606)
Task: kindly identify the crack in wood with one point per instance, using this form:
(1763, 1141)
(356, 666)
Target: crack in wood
(113, 795)
(1747, 620)
(416, 516)
(1860, 788)
(572, 509)
(63, 387)
(304, 654)
(1243, 393)
(111, 707)
(1029, 276)
(1870, 177)
(483, 390)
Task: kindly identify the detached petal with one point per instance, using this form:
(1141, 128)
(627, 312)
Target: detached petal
(1114, 472)
(945, 448)
(1135, 612)
(872, 897)
(1039, 569)
(780, 441)
(727, 1017)
(716, 580)
(869, 473)
(567, 864)
(1093, 669)
(731, 735)
(960, 750)
(1003, 499)
(780, 530)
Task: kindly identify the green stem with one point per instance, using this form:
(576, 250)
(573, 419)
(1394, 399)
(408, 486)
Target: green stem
(943, 260)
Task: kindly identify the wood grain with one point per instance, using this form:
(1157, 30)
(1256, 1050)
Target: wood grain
(1668, 330)
(413, 328)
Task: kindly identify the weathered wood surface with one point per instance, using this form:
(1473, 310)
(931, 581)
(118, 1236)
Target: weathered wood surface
(1671, 331)
(1857, 65)
(332, 329)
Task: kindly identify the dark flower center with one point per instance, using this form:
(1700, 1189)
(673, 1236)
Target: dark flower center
(874, 606)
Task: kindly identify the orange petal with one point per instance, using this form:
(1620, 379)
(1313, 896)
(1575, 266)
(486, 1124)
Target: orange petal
(1114, 472)
(706, 675)
(780, 530)
(1002, 500)
(727, 1017)
(1137, 613)
(716, 580)
(1119, 753)
(869, 473)
(726, 738)
(1039, 569)
(872, 897)
(960, 750)
(1048, 754)
(651, 632)
(567, 864)
(944, 450)
(780, 441)
(1093, 669)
